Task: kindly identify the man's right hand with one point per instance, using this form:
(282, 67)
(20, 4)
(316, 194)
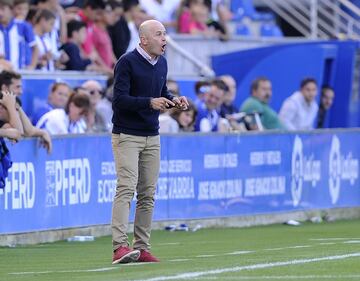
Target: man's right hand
(161, 103)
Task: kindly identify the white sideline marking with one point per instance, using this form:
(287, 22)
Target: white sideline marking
(327, 243)
(240, 253)
(192, 275)
(64, 271)
(351, 242)
(206, 256)
(168, 244)
(330, 239)
(282, 277)
(290, 247)
(178, 260)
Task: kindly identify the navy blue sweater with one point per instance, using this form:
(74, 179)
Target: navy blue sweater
(136, 81)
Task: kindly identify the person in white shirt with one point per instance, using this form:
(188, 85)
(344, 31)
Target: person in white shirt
(163, 10)
(69, 120)
(299, 111)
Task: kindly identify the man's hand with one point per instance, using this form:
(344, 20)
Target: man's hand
(46, 141)
(161, 103)
(181, 102)
(8, 100)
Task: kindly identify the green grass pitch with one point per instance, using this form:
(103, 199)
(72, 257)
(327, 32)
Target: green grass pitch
(326, 251)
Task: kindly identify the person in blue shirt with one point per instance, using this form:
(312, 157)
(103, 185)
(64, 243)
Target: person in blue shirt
(140, 92)
(16, 37)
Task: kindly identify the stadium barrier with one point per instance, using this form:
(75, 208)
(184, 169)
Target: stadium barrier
(201, 176)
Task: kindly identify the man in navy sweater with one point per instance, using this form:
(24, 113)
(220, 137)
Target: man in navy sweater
(140, 92)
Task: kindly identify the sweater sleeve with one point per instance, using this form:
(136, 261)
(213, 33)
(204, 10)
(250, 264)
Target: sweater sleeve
(122, 98)
(164, 91)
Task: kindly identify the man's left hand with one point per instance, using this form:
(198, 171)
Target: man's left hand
(181, 102)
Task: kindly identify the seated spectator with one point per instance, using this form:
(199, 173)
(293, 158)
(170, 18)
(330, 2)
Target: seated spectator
(326, 101)
(298, 112)
(201, 88)
(167, 124)
(11, 82)
(185, 118)
(99, 114)
(57, 98)
(44, 23)
(196, 20)
(18, 36)
(69, 120)
(208, 118)
(76, 35)
(173, 87)
(228, 106)
(21, 9)
(258, 102)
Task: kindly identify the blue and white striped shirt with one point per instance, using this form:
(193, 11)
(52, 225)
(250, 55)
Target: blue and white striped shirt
(15, 39)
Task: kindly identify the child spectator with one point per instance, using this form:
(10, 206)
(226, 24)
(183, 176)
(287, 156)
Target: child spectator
(17, 36)
(76, 36)
(44, 23)
(185, 118)
(21, 9)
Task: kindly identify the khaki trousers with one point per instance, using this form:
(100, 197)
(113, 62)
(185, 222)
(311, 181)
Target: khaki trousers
(137, 161)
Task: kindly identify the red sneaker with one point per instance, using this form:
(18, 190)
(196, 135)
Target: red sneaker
(125, 255)
(145, 256)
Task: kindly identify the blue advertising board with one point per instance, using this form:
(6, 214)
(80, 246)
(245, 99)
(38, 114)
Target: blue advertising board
(201, 176)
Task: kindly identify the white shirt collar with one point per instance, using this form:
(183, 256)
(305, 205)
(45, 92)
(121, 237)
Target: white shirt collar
(146, 56)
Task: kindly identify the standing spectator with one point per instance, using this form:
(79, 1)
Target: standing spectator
(298, 112)
(69, 120)
(228, 106)
(11, 82)
(89, 14)
(162, 10)
(101, 38)
(140, 92)
(17, 36)
(57, 98)
(326, 101)
(258, 102)
(119, 32)
(208, 118)
(44, 24)
(21, 9)
(59, 33)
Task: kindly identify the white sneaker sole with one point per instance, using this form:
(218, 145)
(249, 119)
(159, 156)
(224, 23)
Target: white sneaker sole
(129, 257)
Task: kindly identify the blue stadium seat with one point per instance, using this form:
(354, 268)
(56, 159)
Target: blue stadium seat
(242, 8)
(270, 30)
(242, 29)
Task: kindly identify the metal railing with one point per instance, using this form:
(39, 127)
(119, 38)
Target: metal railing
(319, 18)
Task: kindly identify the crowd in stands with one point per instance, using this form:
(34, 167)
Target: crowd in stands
(214, 110)
(91, 34)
